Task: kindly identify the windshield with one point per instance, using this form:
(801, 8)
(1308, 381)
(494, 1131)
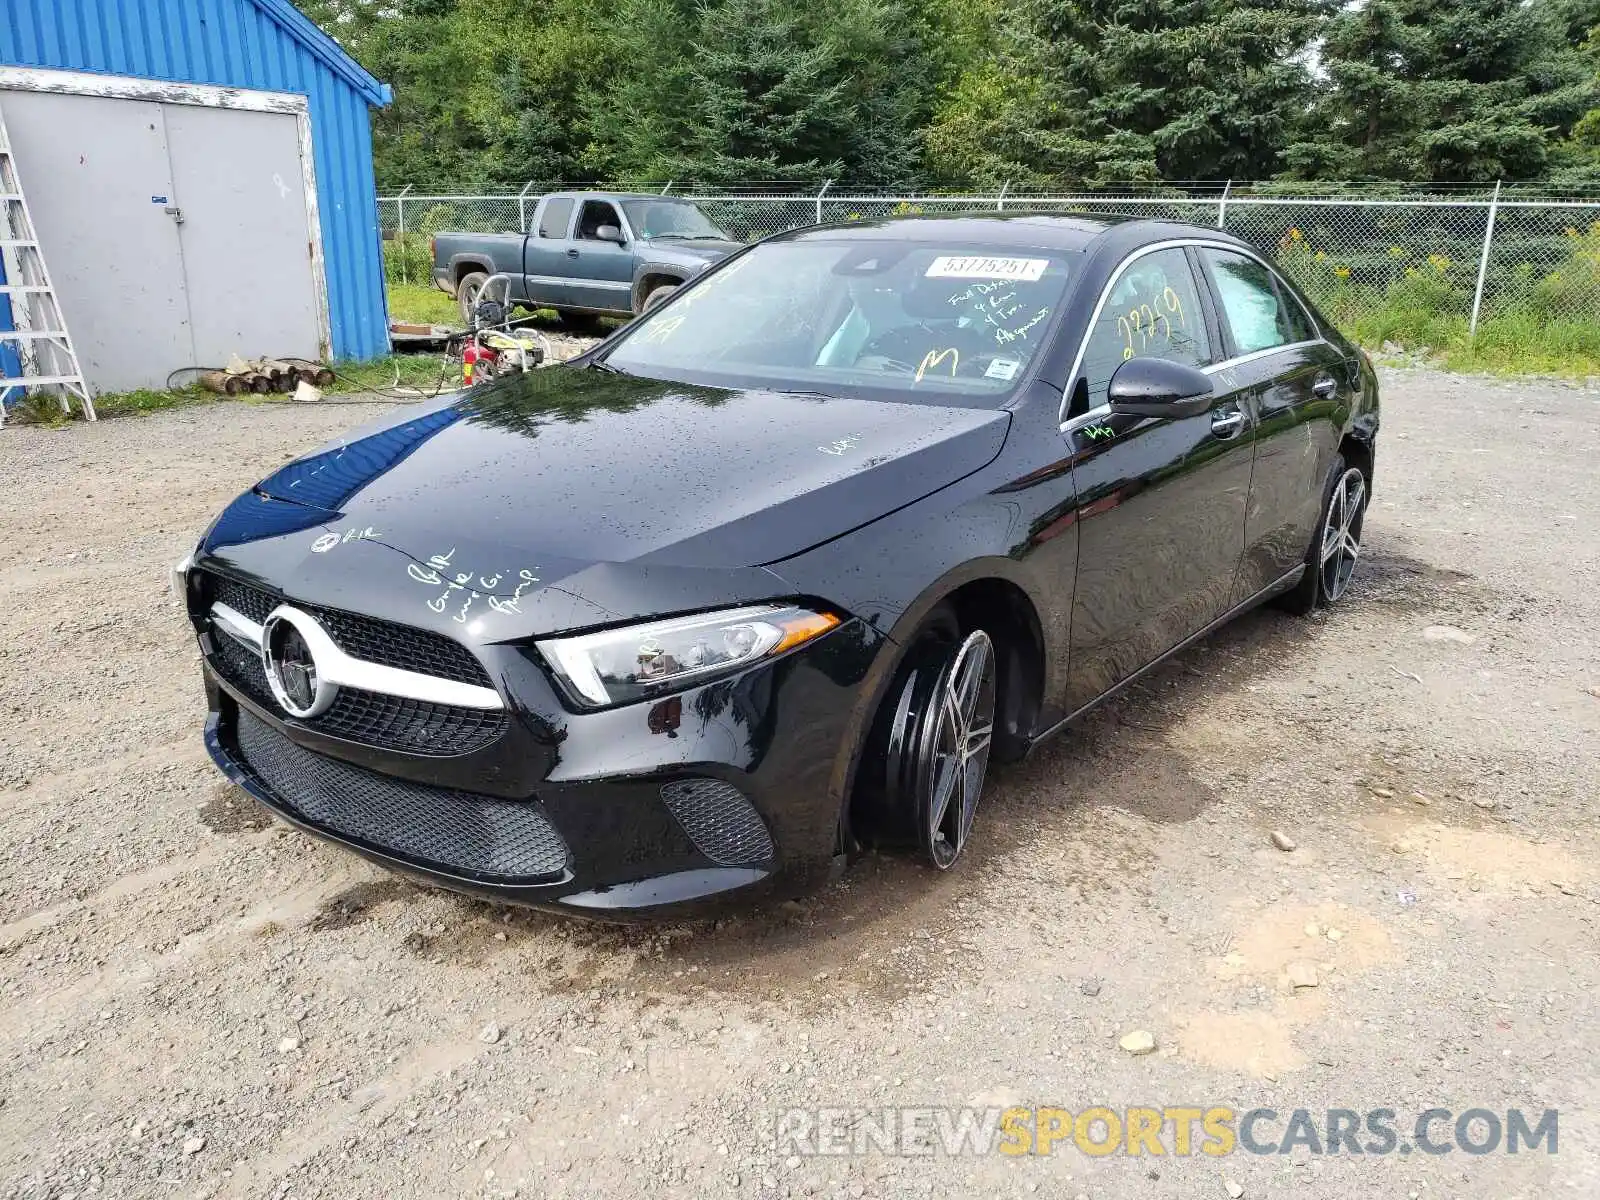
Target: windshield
(836, 316)
(670, 218)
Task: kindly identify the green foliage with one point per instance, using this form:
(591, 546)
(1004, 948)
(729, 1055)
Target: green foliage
(734, 91)
(485, 90)
(407, 258)
(964, 93)
(422, 303)
(1176, 90)
(1445, 90)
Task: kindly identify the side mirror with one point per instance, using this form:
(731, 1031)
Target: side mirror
(609, 233)
(1156, 387)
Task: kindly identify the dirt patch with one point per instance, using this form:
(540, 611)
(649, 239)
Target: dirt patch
(1260, 1044)
(1289, 964)
(356, 904)
(1414, 587)
(231, 809)
(1490, 860)
(329, 1030)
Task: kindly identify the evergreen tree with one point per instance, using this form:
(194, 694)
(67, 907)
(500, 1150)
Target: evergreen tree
(1096, 91)
(768, 99)
(735, 91)
(1444, 90)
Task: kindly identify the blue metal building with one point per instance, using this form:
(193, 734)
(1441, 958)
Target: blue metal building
(272, 55)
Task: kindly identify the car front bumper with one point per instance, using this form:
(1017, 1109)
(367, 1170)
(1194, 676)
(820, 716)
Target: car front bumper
(717, 796)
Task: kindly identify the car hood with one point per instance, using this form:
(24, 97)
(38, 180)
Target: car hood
(695, 252)
(538, 479)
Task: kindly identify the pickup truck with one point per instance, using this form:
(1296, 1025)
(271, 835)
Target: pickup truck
(586, 254)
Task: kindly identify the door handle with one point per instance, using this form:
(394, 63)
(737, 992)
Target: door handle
(1325, 386)
(573, 253)
(1227, 425)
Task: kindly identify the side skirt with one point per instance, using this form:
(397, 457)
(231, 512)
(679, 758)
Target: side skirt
(1281, 584)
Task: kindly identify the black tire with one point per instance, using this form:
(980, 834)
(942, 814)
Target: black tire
(656, 295)
(1330, 560)
(467, 294)
(928, 752)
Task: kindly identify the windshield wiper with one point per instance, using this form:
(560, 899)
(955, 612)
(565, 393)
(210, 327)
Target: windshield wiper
(601, 365)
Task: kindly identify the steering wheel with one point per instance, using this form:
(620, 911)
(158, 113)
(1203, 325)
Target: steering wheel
(881, 352)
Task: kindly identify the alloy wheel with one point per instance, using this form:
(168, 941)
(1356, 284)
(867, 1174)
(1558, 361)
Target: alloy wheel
(1341, 533)
(954, 752)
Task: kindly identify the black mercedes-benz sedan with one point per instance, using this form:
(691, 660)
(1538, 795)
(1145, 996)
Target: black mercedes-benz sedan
(772, 573)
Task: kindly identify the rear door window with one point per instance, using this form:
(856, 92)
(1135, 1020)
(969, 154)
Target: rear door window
(556, 218)
(1258, 309)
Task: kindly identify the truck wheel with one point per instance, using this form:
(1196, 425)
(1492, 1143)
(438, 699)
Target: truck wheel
(657, 295)
(467, 293)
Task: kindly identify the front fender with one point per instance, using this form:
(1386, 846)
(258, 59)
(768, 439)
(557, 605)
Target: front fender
(645, 270)
(1013, 520)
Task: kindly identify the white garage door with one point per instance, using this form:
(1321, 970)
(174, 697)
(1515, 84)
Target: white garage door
(176, 234)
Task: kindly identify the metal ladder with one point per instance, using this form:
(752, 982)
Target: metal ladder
(39, 338)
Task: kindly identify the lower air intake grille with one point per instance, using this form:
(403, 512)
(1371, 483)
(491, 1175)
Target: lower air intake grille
(721, 823)
(469, 835)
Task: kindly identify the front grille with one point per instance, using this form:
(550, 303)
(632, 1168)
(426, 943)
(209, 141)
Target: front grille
(370, 718)
(437, 827)
(373, 719)
(251, 602)
(722, 824)
(367, 638)
(241, 666)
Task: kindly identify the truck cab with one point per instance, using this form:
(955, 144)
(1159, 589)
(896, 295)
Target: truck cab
(586, 253)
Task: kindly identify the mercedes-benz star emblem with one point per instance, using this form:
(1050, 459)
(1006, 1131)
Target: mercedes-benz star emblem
(291, 667)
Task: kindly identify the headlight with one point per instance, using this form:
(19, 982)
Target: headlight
(179, 579)
(618, 665)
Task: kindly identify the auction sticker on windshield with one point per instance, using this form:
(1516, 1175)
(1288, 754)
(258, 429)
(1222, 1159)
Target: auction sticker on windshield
(951, 266)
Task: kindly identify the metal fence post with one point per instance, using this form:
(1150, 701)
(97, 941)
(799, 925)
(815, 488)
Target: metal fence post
(828, 184)
(668, 188)
(1222, 205)
(1000, 201)
(522, 207)
(400, 205)
(1483, 260)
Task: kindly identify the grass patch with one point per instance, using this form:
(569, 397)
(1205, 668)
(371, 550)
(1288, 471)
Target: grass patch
(46, 410)
(423, 304)
(423, 372)
(1510, 344)
(147, 400)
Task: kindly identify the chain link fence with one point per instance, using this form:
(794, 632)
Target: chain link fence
(1391, 264)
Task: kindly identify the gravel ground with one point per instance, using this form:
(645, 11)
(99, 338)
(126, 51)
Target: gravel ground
(195, 1001)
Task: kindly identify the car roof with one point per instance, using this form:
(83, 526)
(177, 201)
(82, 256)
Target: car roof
(1061, 231)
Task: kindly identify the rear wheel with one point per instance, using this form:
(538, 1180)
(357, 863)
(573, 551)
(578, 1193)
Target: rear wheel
(1332, 556)
(932, 738)
(467, 294)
